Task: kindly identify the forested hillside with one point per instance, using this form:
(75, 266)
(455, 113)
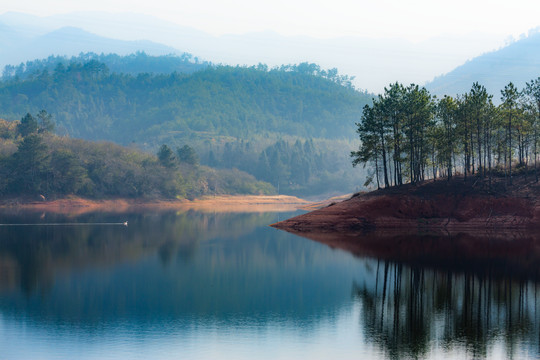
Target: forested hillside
(89, 101)
(260, 115)
(33, 161)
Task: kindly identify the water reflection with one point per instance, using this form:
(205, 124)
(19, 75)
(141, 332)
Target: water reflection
(436, 293)
(30, 256)
(412, 308)
(232, 284)
(171, 269)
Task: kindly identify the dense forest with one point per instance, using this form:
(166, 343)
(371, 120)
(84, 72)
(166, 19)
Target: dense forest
(33, 161)
(292, 126)
(410, 136)
(89, 101)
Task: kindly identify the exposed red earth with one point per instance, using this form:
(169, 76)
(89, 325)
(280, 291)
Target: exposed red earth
(454, 225)
(433, 205)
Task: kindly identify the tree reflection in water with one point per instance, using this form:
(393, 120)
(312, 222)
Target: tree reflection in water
(413, 308)
(466, 291)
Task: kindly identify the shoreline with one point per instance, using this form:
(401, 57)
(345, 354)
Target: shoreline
(453, 206)
(220, 203)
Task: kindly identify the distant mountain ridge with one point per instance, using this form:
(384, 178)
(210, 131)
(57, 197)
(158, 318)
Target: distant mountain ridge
(518, 62)
(18, 46)
(375, 62)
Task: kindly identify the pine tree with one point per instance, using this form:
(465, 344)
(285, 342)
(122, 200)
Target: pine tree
(30, 163)
(27, 126)
(166, 156)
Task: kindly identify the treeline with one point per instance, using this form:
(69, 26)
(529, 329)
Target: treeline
(132, 64)
(89, 101)
(34, 161)
(293, 166)
(410, 136)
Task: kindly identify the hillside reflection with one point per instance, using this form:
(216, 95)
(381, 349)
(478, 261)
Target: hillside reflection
(31, 256)
(413, 296)
(458, 292)
(177, 269)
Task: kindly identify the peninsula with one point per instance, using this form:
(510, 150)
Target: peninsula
(451, 206)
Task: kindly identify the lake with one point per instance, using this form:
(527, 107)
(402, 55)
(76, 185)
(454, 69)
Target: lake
(194, 285)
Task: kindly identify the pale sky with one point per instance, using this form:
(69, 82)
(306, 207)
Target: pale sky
(413, 20)
(415, 40)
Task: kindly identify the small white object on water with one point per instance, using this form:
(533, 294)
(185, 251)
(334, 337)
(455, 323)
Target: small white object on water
(125, 223)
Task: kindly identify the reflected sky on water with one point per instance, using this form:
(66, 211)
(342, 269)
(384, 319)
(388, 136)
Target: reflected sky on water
(193, 285)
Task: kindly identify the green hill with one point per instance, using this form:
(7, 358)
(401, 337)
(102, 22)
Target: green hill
(33, 161)
(90, 101)
(216, 110)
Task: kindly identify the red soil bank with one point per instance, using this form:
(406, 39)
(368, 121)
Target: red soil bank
(440, 205)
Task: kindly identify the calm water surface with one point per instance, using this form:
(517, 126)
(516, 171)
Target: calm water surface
(227, 286)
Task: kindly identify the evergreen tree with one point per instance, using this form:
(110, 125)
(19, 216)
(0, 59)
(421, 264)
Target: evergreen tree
(28, 125)
(166, 156)
(509, 98)
(532, 90)
(478, 100)
(186, 154)
(30, 164)
(45, 122)
(446, 112)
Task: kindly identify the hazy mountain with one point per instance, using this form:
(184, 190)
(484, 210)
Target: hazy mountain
(518, 62)
(26, 26)
(374, 62)
(18, 46)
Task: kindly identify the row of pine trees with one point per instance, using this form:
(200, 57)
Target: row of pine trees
(408, 135)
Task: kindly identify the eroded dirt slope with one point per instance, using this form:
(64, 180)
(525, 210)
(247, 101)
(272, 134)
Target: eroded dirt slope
(454, 205)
